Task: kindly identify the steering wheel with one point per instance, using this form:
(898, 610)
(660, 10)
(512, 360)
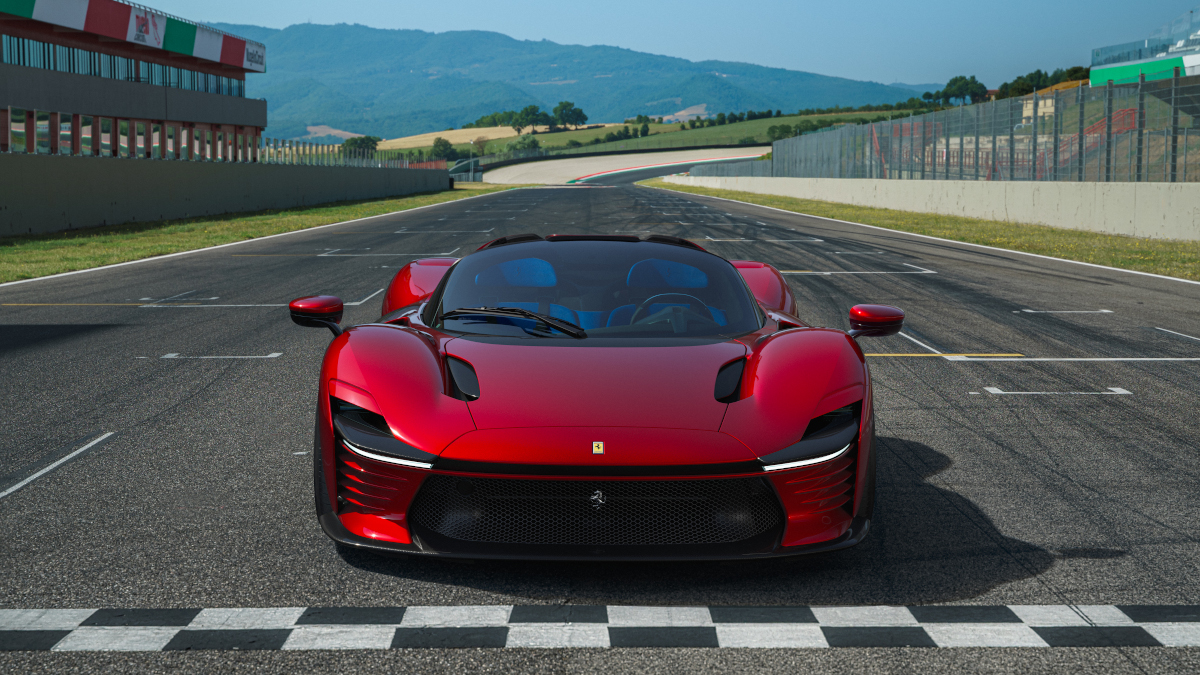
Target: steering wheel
(646, 303)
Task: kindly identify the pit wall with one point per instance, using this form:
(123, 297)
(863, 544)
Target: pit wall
(1154, 210)
(50, 193)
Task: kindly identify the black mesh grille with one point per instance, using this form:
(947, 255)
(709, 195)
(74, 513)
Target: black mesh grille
(596, 512)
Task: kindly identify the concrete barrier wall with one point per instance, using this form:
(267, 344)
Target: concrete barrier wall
(1157, 210)
(48, 193)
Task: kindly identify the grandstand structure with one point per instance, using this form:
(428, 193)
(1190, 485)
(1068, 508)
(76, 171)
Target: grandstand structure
(1174, 45)
(116, 79)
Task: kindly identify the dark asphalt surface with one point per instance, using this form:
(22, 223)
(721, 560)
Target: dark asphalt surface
(200, 499)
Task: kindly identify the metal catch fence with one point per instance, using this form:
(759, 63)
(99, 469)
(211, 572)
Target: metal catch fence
(1131, 132)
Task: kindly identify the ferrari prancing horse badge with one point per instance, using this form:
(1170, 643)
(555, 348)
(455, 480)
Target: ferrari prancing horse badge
(598, 448)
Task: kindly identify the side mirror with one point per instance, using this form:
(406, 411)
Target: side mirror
(875, 320)
(317, 311)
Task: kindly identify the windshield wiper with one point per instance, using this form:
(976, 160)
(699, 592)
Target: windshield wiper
(561, 324)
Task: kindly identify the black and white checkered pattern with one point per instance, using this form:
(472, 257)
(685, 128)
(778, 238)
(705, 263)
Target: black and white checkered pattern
(599, 626)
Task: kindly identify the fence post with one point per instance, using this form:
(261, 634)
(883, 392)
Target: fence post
(922, 147)
(1174, 124)
(946, 126)
(995, 139)
(978, 117)
(1081, 99)
(1012, 140)
(1057, 127)
(961, 141)
(1141, 125)
(1033, 153)
(1108, 111)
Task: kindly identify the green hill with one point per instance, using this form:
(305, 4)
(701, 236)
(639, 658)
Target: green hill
(392, 83)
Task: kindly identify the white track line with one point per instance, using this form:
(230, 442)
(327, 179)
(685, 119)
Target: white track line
(1063, 311)
(952, 357)
(53, 466)
(916, 341)
(1112, 391)
(926, 236)
(247, 241)
(272, 355)
(1179, 334)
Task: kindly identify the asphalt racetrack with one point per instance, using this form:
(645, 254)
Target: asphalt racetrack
(1053, 490)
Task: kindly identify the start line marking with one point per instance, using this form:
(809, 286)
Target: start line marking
(1112, 391)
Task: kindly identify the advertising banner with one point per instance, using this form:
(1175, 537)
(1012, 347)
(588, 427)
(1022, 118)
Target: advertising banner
(146, 28)
(65, 13)
(256, 58)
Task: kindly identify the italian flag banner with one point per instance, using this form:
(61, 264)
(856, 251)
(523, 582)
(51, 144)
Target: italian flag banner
(142, 26)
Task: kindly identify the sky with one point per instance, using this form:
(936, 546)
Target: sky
(909, 41)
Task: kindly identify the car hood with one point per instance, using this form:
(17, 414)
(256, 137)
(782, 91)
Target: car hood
(572, 385)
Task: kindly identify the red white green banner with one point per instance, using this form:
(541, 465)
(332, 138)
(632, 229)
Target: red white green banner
(142, 26)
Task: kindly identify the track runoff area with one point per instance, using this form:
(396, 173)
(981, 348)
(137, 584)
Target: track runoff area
(1038, 469)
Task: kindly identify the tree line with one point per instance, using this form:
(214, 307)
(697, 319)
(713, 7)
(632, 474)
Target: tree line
(565, 114)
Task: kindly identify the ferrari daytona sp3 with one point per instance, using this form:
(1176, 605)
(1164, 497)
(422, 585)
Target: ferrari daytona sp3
(593, 397)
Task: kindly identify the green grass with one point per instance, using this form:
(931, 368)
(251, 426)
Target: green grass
(37, 255)
(1171, 258)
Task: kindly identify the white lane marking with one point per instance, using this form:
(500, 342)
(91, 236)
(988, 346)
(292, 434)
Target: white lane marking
(355, 304)
(956, 357)
(779, 240)
(659, 616)
(334, 254)
(771, 635)
(272, 355)
(1063, 311)
(864, 616)
(485, 615)
(408, 231)
(557, 635)
(401, 213)
(983, 635)
(218, 618)
(173, 297)
(197, 306)
(116, 639)
(859, 252)
(1179, 334)
(340, 637)
(43, 619)
(922, 271)
(1071, 615)
(54, 466)
(1112, 391)
(915, 340)
(1175, 634)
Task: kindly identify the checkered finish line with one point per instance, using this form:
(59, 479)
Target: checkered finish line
(599, 626)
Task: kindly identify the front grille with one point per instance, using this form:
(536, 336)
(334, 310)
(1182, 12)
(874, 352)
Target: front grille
(596, 512)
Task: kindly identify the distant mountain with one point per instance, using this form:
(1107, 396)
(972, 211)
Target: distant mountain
(919, 88)
(393, 83)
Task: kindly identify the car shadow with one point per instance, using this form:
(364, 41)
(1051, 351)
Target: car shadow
(14, 337)
(927, 545)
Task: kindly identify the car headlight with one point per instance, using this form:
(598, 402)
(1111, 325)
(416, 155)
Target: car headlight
(826, 437)
(366, 433)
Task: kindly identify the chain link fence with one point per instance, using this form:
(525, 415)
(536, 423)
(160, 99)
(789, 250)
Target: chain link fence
(1140, 131)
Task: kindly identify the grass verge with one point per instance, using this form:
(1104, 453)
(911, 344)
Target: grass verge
(38, 255)
(1170, 258)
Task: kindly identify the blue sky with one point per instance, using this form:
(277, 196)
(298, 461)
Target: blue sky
(914, 41)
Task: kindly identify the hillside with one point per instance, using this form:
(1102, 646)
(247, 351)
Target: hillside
(392, 83)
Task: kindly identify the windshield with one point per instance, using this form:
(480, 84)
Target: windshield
(609, 289)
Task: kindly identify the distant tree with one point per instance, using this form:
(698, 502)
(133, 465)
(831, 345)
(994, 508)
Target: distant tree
(443, 149)
(779, 132)
(692, 123)
(720, 118)
(568, 115)
(748, 140)
(361, 143)
(710, 122)
(634, 133)
(526, 142)
(480, 145)
(574, 144)
(645, 129)
(779, 113)
(683, 127)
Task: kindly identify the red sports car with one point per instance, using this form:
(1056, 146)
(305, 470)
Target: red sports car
(593, 397)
